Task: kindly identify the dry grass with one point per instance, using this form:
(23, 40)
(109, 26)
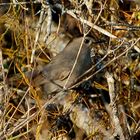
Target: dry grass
(107, 109)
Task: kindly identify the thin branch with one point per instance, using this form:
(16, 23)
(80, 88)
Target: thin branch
(113, 107)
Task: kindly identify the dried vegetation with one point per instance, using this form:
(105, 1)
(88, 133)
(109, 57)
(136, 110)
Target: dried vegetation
(106, 105)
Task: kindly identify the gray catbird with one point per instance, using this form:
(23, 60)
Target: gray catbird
(64, 69)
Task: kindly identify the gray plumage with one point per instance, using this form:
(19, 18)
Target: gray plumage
(54, 75)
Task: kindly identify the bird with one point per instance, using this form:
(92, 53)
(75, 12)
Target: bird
(58, 74)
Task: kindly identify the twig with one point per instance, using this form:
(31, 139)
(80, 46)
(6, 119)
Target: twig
(105, 32)
(113, 107)
(3, 91)
(18, 3)
(38, 30)
(81, 45)
(15, 111)
(90, 70)
(49, 23)
(20, 124)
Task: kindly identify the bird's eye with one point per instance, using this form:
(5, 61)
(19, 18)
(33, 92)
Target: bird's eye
(87, 41)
